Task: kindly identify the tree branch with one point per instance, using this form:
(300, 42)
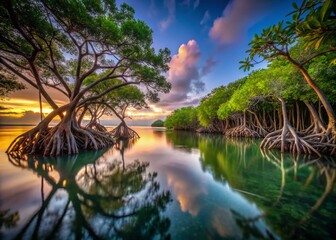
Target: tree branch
(54, 69)
(17, 73)
(317, 55)
(106, 92)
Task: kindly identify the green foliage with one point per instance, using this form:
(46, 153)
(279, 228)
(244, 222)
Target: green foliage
(184, 118)
(120, 99)
(207, 110)
(64, 43)
(270, 44)
(262, 87)
(324, 73)
(314, 21)
(158, 123)
(313, 24)
(280, 79)
(128, 96)
(8, 85)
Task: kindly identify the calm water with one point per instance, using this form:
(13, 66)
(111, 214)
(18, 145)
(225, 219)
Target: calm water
(167, 184)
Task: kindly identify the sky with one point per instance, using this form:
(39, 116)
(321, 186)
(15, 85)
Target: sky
(207, 39)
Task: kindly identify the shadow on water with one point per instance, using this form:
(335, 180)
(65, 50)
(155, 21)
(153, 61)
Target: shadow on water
(296, 194)
(96, 197)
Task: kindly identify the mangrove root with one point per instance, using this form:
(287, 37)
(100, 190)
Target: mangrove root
(241, 131)
(63, 138)
(124, 132)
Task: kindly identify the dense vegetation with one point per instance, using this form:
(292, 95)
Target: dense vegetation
(290, 104)
(158, 123)
(182, 119)
(85, 50)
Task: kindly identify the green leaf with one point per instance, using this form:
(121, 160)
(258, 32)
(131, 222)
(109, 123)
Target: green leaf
(318, 43)
(326, 6)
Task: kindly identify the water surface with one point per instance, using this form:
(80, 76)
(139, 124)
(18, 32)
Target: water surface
(180, 185)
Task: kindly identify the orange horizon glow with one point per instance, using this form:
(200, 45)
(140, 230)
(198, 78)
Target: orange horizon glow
(16, 108)
(19, 106)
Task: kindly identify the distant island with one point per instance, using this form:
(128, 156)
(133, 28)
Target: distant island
(158, 123)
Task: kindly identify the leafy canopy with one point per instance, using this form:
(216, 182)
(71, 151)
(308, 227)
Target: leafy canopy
(183, 118)
(207, 110)
(62, 43)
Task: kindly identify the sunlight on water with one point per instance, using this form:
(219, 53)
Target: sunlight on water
(176, 184)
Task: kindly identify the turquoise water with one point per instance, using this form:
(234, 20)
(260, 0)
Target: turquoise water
(177, 185)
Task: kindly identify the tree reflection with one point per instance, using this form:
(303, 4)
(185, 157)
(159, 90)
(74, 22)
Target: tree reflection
(324, 170)
(294, 205)
(292, 192)
(124, 144)
(249, 227)
(96, 197)
(182, 140)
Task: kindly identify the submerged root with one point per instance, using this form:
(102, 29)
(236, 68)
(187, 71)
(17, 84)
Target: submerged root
(241, 131)
(29, 142)
(65, 138)
(324, 142)
(124, 132)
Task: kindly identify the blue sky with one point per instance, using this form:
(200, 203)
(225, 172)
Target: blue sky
(215, 35)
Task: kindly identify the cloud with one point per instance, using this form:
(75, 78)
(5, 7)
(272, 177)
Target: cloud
(206, 17)
(184, 76)
(28, 117)
(237, 17)
(196, 3)
(181, 182)
(3, 108)
(209, 65)
(164, 24)
(189, 3)
(152, 9)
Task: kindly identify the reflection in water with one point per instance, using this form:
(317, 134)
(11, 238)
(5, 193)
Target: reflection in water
(322, 169)
(96, 198)
(290, 195)
(216, 206)
(188, 190)
(221, 189)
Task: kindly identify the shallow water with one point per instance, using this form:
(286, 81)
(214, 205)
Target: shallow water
(167, 184)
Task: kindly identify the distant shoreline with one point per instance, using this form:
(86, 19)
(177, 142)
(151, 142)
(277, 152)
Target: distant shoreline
(33, 125)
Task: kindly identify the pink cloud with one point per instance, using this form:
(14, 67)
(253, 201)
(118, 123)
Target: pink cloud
(237, 17)
(183, 75)
(183, 64)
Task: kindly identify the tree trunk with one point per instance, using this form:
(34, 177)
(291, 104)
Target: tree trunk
(327, 106)
(318, 125)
